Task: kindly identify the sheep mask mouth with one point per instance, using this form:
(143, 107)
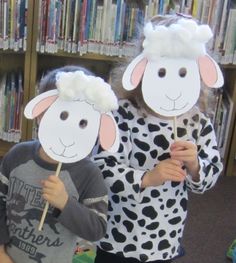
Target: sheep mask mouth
(62, 154)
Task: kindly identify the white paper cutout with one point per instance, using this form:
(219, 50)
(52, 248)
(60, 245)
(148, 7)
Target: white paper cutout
(173, 94)
(171, 79)
(68, 129)
(67, 140)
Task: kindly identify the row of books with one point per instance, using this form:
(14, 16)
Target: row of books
(105, 27)
(13, 26)
(11, 106)
(109, 26)
(88, 26)
(220, 112)
(221, 17)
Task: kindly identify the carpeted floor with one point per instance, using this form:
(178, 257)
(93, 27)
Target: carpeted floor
(211, 224)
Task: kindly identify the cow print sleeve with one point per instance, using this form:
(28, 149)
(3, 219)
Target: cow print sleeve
(119, 176)
(209, 158)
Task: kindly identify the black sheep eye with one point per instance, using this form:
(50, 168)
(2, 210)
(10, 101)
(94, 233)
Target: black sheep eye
(64, 115)
(83, 123)
(162, 72)
(183, 72)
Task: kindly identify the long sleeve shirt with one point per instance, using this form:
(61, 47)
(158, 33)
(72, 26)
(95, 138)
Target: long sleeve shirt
(148, 224)
(21, 206)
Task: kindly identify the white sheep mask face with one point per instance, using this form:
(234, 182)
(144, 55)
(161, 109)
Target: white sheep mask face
(174, 84)
(69, 127)
(73, 130)
(171, 67)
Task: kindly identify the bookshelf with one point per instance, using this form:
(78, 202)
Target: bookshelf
(35, 60)
(11, 60)
(229, 160)
(44, 56)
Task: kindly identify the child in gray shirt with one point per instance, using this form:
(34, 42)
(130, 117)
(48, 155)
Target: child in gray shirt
(77, 198)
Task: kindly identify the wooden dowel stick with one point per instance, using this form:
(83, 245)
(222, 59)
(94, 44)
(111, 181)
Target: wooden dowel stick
(175, 129)
(47, 204)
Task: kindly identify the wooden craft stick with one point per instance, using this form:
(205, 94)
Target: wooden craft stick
(175, 128)
(47, 204)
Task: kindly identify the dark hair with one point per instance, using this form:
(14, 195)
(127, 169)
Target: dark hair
(48, 82)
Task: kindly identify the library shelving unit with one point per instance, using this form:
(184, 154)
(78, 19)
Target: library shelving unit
(11, 61)
(37, 60)
(43, 60)
(230, 152)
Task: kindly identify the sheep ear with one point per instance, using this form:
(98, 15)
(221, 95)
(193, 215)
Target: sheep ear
(108, 133)
(210, 72)
(134, 72)
(40, 103)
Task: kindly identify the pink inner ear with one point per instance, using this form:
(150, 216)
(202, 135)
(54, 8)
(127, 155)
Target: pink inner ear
(43, 105)
(138, 72)
(207, 70)
(107, 132)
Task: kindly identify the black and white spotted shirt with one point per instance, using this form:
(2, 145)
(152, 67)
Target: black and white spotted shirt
(148, 224)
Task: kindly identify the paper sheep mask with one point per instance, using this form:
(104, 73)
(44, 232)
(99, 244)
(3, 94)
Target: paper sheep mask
(77, 113)
(171, 67)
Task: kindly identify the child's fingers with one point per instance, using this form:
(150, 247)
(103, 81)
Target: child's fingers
(49, 190)
(182, 154)
(176, 163)
(48, 184)
(51, 181)
(181, 145)
(47, 197)
(176, 149)
(185, 156)
(53, 178)
(176, 168)
(175, 175)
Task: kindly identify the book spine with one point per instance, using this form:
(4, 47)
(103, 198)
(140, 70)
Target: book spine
(82, 24)
(75, 27)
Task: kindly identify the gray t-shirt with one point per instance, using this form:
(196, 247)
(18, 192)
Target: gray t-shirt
(21, 206)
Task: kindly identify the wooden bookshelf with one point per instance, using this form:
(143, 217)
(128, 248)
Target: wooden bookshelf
(230, 85)
(232, 154)
(10, 61)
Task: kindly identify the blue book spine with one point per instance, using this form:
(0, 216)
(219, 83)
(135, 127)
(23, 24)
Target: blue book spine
(118, 21)
(22, 21)
(50, 30)
(87, 19)
(161, 6)
(58, 18)
(92, 21)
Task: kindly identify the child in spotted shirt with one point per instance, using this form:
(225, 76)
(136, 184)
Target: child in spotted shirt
(149, 178)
